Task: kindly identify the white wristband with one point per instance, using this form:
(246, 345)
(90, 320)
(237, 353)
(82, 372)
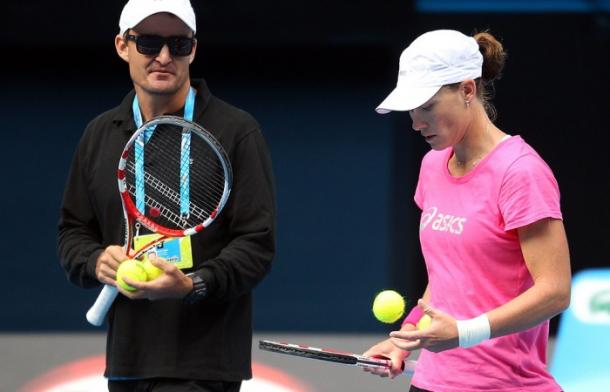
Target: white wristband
(474, 331)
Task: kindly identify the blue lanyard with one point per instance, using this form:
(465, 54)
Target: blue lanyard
(185, 148)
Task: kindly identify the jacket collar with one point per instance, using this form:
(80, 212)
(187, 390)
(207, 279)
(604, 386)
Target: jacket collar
(123, 118)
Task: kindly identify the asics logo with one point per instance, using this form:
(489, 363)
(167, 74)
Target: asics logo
(441, 222)
(426, 217)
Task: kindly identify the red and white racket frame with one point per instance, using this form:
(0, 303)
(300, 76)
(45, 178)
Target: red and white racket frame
(97, 312)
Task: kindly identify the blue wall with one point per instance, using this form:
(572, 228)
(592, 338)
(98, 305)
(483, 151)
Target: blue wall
(331, 156)
(332, 160)
(513, 6)
(311, 78)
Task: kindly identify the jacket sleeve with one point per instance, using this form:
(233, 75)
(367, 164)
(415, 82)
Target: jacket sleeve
(246, 259)
(79, 238)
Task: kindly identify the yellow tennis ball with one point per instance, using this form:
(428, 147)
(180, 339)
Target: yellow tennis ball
(152, 271)
(424, 322)
(388, 306)
(132, 269)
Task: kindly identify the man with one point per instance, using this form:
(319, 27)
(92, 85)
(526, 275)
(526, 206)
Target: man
(191, 329)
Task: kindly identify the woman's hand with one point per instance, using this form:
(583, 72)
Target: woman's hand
(441, 335)
(386, 349)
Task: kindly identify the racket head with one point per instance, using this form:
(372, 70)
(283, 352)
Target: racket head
(160, 172)
(328, 355)
(163, 170)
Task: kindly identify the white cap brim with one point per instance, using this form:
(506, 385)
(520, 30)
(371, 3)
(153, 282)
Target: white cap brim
(403, 99)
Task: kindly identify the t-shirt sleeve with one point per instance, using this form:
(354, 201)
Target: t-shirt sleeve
(419, 198)
(529, 193)
(422, 180)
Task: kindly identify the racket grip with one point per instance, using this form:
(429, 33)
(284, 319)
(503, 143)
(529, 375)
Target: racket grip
(97, 313)
(408, 367)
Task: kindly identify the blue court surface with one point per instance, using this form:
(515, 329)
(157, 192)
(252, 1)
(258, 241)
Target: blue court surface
(74, 362)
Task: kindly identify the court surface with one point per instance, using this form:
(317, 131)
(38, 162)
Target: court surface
(55, 359)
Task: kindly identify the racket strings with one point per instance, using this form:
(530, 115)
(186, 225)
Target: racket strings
(163, 211)
(167, 192)
(165, 162)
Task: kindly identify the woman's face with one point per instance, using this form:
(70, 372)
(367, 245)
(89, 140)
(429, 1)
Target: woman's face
(444, 118)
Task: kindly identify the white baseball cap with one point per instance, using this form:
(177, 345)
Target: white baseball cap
(136, 11)
(433, 60)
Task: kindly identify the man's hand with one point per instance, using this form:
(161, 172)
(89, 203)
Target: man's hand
(173, 283)
(107, 263)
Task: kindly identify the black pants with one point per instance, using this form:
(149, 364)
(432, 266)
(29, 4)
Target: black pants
(416, 389)
(173, 385)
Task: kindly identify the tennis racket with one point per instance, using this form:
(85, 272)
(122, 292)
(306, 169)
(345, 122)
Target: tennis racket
(329, 355)
(174, 179)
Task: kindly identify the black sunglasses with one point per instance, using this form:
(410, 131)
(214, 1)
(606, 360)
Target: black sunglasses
(151, 45)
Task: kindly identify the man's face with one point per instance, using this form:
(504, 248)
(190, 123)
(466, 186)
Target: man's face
(161, 73)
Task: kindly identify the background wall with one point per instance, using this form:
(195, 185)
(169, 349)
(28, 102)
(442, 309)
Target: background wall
(311, 73)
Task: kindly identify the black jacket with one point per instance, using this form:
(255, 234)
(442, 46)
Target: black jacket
(208, 340)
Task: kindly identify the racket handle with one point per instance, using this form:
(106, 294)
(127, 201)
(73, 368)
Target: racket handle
(97, 313)
(408, 367)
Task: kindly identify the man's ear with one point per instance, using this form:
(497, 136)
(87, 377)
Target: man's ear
(122, 49)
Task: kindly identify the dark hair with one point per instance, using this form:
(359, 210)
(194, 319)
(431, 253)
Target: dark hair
(494, 57)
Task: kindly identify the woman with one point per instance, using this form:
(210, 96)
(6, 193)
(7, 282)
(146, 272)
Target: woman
(491, 229)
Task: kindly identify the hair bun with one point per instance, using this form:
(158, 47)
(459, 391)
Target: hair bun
(494, 56)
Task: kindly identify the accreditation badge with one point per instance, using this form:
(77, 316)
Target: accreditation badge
(176, 251)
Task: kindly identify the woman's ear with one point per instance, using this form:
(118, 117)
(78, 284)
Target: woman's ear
(468, 90)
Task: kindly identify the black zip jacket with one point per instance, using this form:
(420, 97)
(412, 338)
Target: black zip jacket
(207, 340)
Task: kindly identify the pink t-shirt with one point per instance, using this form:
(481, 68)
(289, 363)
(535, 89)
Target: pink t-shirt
(475, 264)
